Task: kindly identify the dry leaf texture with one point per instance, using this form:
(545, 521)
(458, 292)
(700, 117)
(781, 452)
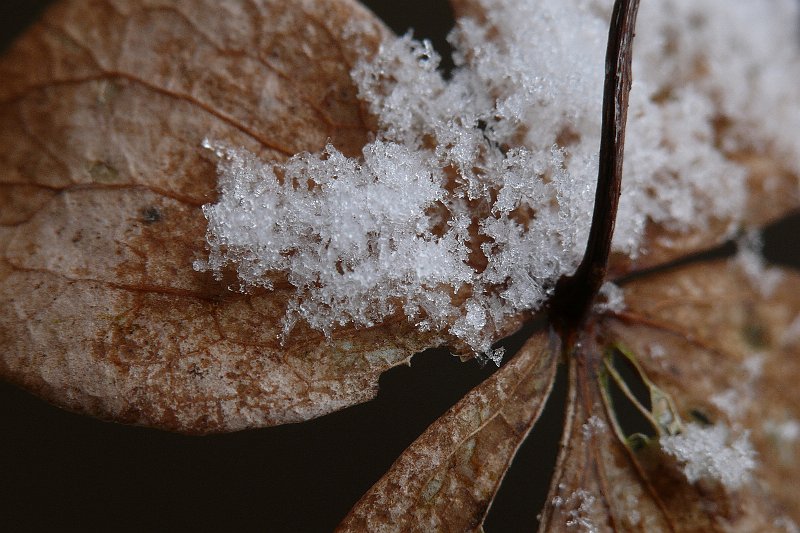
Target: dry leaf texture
(104, 106)
(447, 479)
(103, 109)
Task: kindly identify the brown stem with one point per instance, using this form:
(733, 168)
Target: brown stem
(574, 294)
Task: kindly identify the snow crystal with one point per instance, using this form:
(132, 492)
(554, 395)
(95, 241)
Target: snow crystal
(788, 431)
(710, 453)
(613, 298)
(656, 351)
(578, 507)
(476, 194)
(792, 333)
(734, 401)
(593, 426)
(750, 260)
(784, 523)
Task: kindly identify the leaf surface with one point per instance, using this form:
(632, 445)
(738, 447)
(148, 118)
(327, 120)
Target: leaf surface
(103, 109)
(726, 352)
(719, 348)
(447, 479)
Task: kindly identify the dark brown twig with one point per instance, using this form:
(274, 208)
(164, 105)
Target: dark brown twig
(574, 294)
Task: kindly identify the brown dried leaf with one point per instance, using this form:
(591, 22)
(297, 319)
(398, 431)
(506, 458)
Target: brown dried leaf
(596, 487)
(701, 333)
(103, 108)
(447, 479)
(696, 332)
(725, 351)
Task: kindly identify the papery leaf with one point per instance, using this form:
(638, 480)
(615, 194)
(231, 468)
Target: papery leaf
(103, 109)
(596, 487)
(447, 479)
(727, 353)
(719, 349)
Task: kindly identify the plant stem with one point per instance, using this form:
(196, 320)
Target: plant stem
(575, 294)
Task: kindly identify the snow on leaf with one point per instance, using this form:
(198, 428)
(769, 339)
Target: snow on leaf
(711, 322)
(103, 177)
(447, 209)
(712, 453)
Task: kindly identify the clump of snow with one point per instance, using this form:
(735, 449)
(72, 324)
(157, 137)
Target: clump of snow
(593, 426)
(579, 507)
(476, 194)
(750, 260)
(612, 298)
(709, 452)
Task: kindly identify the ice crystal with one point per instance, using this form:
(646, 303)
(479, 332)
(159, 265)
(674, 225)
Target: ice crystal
(476, 193)
(578, 508)
(612, 298)
(711, 453)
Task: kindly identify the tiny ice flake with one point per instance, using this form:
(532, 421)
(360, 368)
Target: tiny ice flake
(593, 426)
(711, 453)
(613, 298)
(750, 260)
(578, 508)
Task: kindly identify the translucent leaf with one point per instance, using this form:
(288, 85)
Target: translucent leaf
(447, 479)
(103, 109)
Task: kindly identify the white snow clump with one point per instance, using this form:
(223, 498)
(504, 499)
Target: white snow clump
(710, 453)
(476, 194)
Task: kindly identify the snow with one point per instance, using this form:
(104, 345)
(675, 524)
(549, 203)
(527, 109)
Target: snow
(578, 507)
(612, 298)
(711, 453)
(500, 161)
(593, 426)
(751, 262)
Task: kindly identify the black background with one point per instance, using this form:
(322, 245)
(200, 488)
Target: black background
(62, 471)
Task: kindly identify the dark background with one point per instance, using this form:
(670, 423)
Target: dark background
(64, 471)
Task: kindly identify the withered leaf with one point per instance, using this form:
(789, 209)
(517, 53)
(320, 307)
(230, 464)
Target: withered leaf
(693, 331)
(698, 332)
(447, 479)
(103, 109)
(725, 352)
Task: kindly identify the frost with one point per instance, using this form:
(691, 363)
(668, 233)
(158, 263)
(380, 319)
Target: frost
(578, 507)
(711, 453)
(475, 195)
(613, 298)
(750, 260)
(593, 426)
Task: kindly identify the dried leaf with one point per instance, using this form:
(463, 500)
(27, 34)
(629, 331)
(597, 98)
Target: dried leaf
(447, 479)
(103, 109)
(725, 352)
(596, 487)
